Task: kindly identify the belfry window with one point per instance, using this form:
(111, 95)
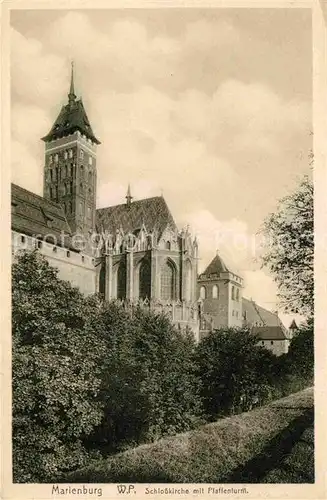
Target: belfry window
(215, 292)
(167, 281)
(203, 292)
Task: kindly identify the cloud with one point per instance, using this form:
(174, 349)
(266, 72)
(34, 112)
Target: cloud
(189, 113)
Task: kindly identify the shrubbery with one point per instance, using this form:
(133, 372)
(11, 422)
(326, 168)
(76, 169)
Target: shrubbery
(91, 378)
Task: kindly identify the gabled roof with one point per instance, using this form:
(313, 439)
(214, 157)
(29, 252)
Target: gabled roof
(254, 314)
(71, 118)
(216, 266)
(269, 332)
(152, 212)
(36, 216)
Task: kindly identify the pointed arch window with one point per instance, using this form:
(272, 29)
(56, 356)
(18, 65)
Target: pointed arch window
(188, 281)
(145, 280)
(168, 281)
(203, 292)
(102, 281)
(121, 281)
(215, 292)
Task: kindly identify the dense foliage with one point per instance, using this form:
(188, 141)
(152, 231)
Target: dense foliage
(55, 371)
(289, 251)
(235, 372)
(92, 378)
(88, 377)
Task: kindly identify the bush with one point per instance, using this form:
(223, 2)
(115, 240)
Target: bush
(56, 375)
(235, 372)
(213, 453)
(90, 377)
(149, 383)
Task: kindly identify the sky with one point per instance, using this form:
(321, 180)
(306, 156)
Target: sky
(209, 107)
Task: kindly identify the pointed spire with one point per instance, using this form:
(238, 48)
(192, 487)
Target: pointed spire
(128, 196)
(72, 95)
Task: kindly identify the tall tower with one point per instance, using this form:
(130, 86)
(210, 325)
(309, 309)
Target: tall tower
(220, 291)
(70, 164)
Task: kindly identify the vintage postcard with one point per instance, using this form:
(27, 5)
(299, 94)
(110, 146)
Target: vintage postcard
(164, 235)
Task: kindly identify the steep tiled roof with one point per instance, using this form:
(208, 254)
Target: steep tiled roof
(72, 117)
(152, 212)
(216, 266)
(254, 314)
(33, 215)
(269, 332)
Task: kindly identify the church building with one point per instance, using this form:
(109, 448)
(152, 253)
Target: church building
(131, 252)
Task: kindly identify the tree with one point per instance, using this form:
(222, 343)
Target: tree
(301, 351)
(56, 375)
(290, 249)
(234, 371)
(150, 388)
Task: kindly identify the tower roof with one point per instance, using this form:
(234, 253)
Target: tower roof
(71, 118)
(216, 266)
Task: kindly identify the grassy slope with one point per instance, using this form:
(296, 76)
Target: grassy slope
(208, 454)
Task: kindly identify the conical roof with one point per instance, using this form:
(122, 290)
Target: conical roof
(71, 118)
(216, 266)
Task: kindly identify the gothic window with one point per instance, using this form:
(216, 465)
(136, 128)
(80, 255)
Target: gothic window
(168, 245)
(168, 281)
(89, 212)
(81, 154)
(237, 294)
(145, 280)
(188, 281)
(102, 281)
(121, 281)
(56, 158)
(203, 292)
(215, 292)
(233, 292)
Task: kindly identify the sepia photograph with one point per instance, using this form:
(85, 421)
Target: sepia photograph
(162, 249)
